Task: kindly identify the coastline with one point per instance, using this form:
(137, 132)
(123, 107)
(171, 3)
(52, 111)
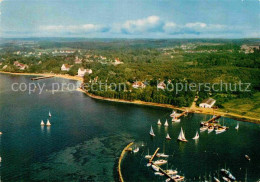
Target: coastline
(189, 109)
(47, 74)
(192, 109)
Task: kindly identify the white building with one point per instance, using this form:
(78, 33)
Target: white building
(65, 67)
(82, 71)
(138, 84)
(207, 103)
(161, 85)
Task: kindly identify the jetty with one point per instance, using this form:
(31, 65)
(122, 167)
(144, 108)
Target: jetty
(42, 77)
(120, 160)
(180, 115)
(160, 169)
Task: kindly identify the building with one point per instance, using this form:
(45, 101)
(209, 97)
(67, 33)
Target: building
(4, 67)
(65, 67)
(77, 60)
(20, 65)
(161, 85)
(117, 61)
(82, 71)
(138, 84)
(207, 103)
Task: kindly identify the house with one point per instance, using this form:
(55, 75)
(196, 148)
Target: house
(65, 67)
(207, 103)
(161, 85)
(82, 71)
(20, 65)
(138, 84)
(77, 60)
(117, 61)
(4, 67)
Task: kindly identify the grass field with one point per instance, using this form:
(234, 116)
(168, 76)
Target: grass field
(245, 106)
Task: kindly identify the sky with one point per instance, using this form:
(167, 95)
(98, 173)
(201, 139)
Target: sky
(130, 18)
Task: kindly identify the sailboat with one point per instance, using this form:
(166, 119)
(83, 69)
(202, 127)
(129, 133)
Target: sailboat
(166, 123)
(168, 137)
(151, 132)
(148, 156)
(182, 136)
(196, 136)
(48, 123)
(173, 113)
(42, 123)
(159, 122)
(210, 129)
(136, 150)
(175, 119)
(237, 126)
(49, 114)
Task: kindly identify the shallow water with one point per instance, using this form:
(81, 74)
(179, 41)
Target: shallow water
(87, 137)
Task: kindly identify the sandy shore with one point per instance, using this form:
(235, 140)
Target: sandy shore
(48, 74)
(192, 109)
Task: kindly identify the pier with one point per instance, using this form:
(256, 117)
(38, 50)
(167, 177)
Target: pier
(180, 115)
(213, 119)
(42, 77)
(120, 160)
(160, 169)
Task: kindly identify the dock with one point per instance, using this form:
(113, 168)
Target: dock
(180, 115)
(42, 77)
(213, 119)
(120, 160)
(160, 169)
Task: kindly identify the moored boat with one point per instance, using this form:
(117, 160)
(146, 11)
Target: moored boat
(162, 155)
(247, 157)
(210, 129)
(220, 130)
(148, 156)
(171, 172)
(136, 150)
(182, 136)
(160, 162)
(178, 178)
(159, 173)
(175, 119)
(168, 137)
(151, 132)
(196, 136)
(203, 128)
(226, 179)
(173, 113)
(155, 168)
(228, 174)
(216, 179)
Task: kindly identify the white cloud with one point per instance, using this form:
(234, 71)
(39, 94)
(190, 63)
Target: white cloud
(151, 23)
(74, 28)
(196, 25)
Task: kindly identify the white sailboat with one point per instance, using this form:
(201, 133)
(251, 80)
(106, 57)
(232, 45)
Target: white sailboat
(151, 132)
(42, 123)
(237, 126)
(196, 136)
(160, 162)
(166, 123)
(175, 119)
(49, 114)
(148, 156)
(182, 136)
(136, 150)
(159, 122)
(48, 123)
(168, 137)
(173, 113)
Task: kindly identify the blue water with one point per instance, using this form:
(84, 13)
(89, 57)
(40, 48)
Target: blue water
(87, 137)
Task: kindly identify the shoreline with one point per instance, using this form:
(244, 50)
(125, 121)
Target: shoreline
(197, 110)
(76, 78)
(192, 109)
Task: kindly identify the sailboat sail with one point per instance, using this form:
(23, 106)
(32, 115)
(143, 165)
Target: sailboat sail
(151, 131)
(49, 113)
(166, 123)
(182, 136)
(159, 122)
(196, 136)
(237, 126)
